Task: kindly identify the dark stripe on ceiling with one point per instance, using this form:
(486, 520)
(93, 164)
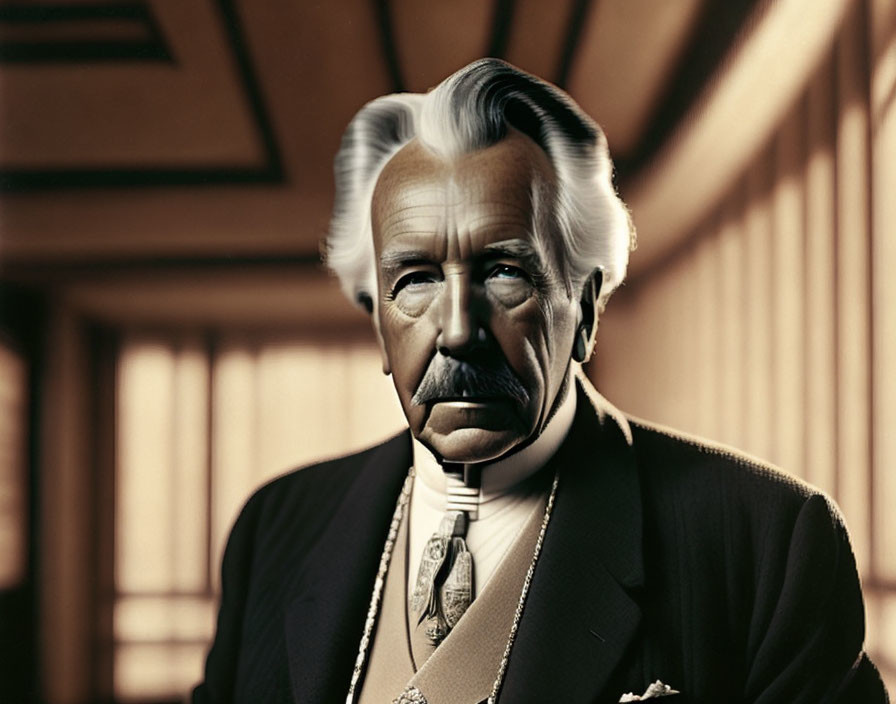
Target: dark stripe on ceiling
(81, 52)
(714, 34)
(36, 13)
(388, 45)
(502, 20)
(18, 180)
(271, 171)
(25, 19)
(577, 17)
(113, 266)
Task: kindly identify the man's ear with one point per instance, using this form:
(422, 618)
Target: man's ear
(588, 307)
(367, 303)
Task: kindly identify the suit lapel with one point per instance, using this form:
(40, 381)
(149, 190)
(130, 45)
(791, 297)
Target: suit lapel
(580, 616)
(325, 620)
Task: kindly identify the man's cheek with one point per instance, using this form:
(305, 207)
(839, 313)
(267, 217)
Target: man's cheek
(408, 368)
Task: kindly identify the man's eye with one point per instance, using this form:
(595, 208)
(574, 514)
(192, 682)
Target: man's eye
(506, 271)
(414, 279)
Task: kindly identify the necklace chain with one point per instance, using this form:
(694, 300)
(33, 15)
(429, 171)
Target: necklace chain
(379, 582)
(377, 595)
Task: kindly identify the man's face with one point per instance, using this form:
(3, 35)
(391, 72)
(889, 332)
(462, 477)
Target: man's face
(476, 325)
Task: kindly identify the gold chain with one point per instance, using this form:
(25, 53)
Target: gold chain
(377, 595)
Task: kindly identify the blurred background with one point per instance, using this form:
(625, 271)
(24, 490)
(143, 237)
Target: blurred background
(169, 340)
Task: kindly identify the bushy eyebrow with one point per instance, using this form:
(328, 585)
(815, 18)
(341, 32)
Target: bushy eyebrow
(518, 249)
(522, 250)
(395, 259)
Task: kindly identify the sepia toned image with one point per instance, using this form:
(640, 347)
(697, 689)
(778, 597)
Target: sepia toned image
(448, 352)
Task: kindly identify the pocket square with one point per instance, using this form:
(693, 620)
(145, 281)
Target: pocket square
(654, 691)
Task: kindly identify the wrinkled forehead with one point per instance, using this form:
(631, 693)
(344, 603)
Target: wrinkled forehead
(508, 174)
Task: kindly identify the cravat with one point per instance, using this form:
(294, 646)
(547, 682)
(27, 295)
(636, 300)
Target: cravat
(443, 589)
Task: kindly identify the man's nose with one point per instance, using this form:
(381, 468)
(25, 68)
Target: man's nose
(460, 327)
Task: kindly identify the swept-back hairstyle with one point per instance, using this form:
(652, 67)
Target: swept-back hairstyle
(471, 110)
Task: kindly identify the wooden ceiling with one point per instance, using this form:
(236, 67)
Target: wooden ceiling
(205, 129)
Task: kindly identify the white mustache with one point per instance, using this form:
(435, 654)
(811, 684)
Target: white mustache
(447, 377)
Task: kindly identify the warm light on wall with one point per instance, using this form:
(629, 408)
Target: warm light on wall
(12, 467)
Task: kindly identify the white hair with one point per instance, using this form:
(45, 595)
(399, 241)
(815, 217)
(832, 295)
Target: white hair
(472, 110)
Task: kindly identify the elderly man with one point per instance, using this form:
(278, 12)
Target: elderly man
(524, 542)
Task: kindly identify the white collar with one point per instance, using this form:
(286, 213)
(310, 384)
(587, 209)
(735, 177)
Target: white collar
(501, 476)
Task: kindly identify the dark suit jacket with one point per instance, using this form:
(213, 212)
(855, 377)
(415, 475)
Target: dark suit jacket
(665, 559)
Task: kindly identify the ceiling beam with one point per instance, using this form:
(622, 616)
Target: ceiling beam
(388, 45)
(502, 21)
(578, 15)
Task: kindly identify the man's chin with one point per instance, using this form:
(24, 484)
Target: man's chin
(470, 432)
(471, 445)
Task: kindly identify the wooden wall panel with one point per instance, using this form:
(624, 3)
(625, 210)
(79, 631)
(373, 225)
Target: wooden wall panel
(780, 308)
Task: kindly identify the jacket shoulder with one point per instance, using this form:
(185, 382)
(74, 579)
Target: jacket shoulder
(760, 551)
(283, 520)
(716, 491)
(672, 457)
(309, 488)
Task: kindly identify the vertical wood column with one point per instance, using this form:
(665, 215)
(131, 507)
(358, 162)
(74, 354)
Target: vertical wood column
(883, 277)
(66, 628)
(760, 422)
(821, 285)
(853, 290)
(788, 256)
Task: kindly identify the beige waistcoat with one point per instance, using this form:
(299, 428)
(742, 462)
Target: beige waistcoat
(462, 670)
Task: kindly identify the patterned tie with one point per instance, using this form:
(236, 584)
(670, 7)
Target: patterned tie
(444, 587)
